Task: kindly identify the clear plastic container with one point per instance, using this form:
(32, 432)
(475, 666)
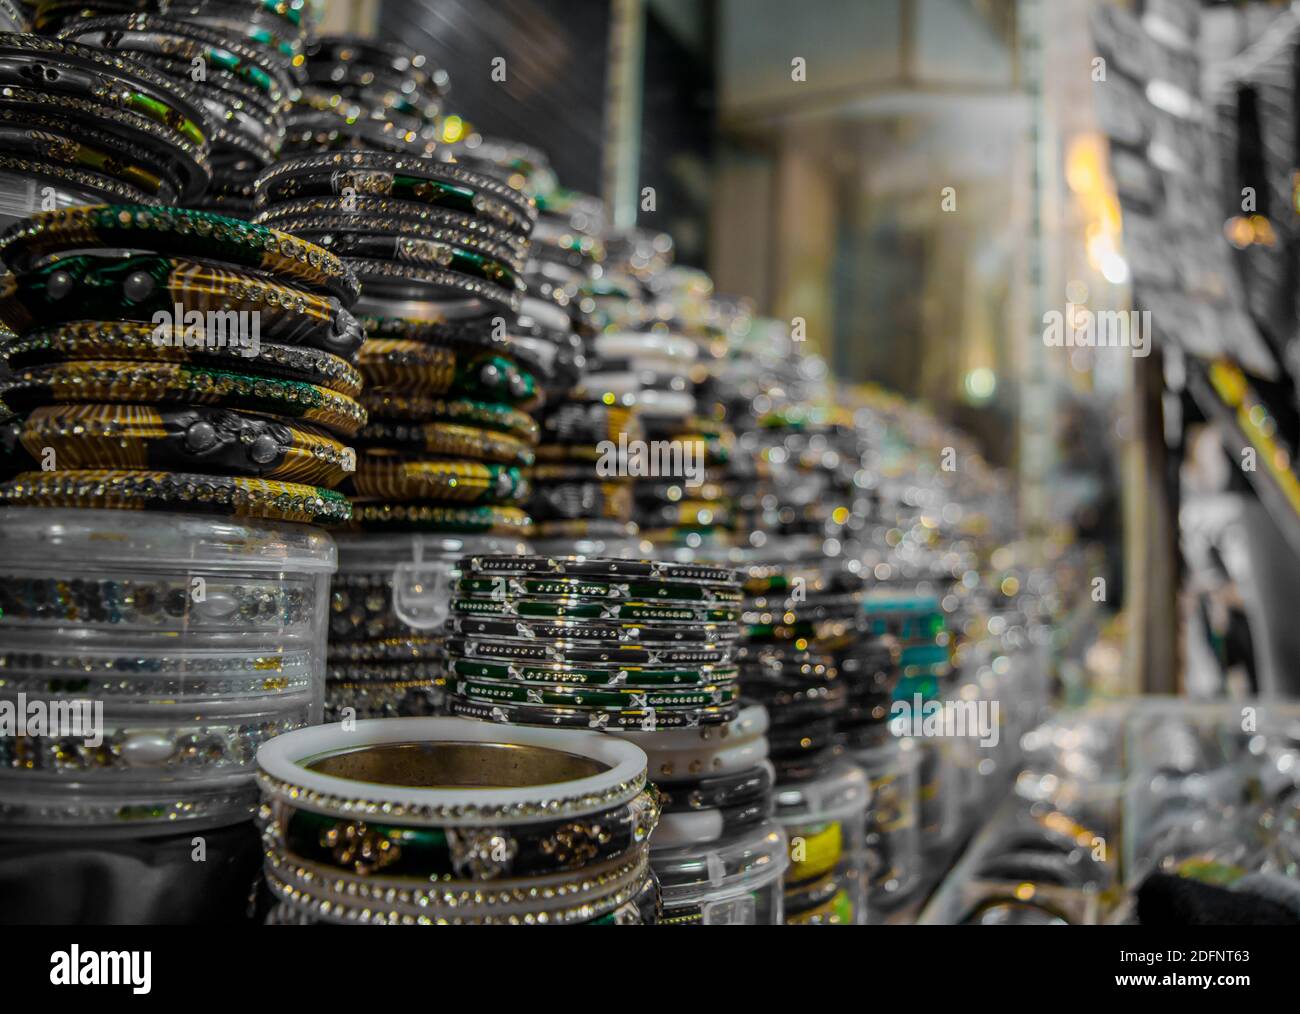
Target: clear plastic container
(150, 655)
(734, 882)
(893, 830)
(391, 587)
(825, 821)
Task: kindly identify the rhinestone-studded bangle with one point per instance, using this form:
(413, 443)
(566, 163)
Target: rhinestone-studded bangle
(128, 340)
(381, 174)
(185, 440)
(198, 234)
(427, 517)
(232, 496)
(146, 383)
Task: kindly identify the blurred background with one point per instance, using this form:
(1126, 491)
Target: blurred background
(919, 185)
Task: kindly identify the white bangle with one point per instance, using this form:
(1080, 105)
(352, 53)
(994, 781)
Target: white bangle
(285, 775)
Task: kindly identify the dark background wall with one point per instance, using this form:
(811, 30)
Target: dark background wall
(553, 97)
(555, 52)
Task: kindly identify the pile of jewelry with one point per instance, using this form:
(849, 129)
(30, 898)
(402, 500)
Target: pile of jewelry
(593, 643)
(440, 821)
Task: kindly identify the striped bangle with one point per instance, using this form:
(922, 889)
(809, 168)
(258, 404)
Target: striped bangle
(182, 232)
(199, 439)
(89, 286)
(147, 383)
(416, 368)
(134, 341)
(448, 440)
(382, 404)
(461, 481)
(231, 496)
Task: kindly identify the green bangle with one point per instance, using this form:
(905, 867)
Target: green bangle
(177, 231)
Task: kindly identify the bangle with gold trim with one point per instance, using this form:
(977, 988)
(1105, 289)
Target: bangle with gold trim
(383, 404)
(134, 341)
(183, 294)
(460, 481)
(418, 368)
(235, 496)
(447, 440)
(198, 439)
(147, 383)
(179, 231)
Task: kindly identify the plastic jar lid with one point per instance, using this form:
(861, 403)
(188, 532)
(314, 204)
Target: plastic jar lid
(696, 874)
(841, 793)
(58, 541)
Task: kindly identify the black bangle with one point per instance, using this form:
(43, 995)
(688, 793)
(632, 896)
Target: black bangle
(644, 677)
(396, 176)
(585, 632)
(717, 791)
(522, 651)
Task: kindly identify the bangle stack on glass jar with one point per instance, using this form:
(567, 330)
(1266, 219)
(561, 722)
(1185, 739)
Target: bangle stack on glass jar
(441, 250)
(593, 643)
(183, 383)
(242, 78)
(439, 821)
(718, 855)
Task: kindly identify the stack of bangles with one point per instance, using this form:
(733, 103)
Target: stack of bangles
(277, 29)
(439, 252)
(805, 638)
(592, 643)
(439, 821)
(368, 95)
(245, 90)
(88, 125)
(692, 506)
(580, 489)
(718, 855)
(178, 360)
